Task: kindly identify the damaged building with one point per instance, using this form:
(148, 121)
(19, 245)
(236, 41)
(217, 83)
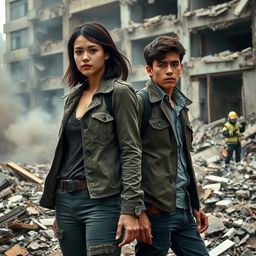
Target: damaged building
(219, 37)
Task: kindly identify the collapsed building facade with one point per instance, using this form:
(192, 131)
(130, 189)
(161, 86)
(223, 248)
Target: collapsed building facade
(219, 37)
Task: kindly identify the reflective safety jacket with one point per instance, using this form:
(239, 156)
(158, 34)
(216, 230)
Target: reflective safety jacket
(232, 132)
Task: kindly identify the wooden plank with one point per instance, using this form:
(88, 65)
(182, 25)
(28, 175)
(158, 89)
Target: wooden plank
(24, 172)
(221, 248)
(16, 250)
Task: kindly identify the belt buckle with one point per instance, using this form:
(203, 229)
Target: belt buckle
(70, 185)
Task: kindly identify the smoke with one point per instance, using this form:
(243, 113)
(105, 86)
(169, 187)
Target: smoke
(28, 137)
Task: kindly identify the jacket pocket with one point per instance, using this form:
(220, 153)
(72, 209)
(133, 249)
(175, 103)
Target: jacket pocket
(102, 125)
(159, 124)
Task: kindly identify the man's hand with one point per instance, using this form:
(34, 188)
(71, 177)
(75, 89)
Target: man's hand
(201, 220)
(54, 227)
(145, 234)
(131, 226)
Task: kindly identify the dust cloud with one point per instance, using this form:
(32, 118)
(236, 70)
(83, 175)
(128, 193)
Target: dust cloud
(26, 136)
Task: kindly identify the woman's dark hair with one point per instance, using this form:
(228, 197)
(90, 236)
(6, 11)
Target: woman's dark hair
(115, 66)
(160, 47)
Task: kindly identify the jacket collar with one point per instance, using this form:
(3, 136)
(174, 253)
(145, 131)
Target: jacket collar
(106, 86)
(155, 94)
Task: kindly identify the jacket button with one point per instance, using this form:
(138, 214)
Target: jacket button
(159, 125)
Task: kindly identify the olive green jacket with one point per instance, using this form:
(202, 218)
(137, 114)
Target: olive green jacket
(159, 154)
(111, 146)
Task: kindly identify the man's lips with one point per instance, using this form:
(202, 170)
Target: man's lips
(169, 79)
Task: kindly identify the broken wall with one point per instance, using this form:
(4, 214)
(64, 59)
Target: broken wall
(249, 85)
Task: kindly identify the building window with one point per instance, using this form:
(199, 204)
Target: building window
(45, 3)
(19, 71)
(19, 39)
(19, 9)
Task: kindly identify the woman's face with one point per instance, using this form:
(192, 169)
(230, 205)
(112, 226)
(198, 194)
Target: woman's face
(89, 57)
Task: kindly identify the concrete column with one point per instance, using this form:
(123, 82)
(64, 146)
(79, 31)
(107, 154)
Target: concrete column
(33, 81)
(184, 36)
(66, 32)
(254, 29)
(125, 15)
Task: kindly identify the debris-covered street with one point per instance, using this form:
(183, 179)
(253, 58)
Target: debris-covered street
(227, 196)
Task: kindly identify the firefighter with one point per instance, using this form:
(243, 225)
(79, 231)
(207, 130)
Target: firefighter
(232, 130)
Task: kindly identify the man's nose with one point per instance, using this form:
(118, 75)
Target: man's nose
(169, 69)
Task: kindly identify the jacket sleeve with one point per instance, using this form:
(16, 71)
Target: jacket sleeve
(125, 106)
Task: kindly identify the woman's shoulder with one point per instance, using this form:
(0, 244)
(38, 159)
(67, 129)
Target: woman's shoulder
(121, 85)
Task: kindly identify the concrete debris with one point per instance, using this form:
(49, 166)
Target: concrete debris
(240, 7)
(227, 196)
(151, 22)
(213, 11)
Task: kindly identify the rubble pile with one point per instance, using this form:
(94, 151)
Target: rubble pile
(227, 196)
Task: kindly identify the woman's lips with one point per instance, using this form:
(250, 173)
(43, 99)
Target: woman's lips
(86, 67)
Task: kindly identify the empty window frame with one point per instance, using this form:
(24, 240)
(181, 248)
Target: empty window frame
(19, 39)
(18, 9)
(45, 3)
(142, 9)
(234, 38)
(205, 4)
(19, 71)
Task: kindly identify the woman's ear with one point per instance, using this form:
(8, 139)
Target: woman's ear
(106, 56)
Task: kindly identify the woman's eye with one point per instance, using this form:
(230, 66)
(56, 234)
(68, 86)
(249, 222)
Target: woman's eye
(78, 52)
(93, 50)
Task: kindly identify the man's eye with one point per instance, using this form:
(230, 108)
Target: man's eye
(175, 64)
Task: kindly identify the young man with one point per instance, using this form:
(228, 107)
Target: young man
(168, 178)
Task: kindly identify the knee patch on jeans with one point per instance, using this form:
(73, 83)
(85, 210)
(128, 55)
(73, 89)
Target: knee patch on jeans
(103, 250)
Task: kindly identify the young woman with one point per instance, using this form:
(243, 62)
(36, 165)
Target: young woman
(94, 180)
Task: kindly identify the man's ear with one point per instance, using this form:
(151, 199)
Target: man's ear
(149, 70)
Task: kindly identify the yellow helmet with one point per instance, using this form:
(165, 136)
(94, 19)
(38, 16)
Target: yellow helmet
(232, 115)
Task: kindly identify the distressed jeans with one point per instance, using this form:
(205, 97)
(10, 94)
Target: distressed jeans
(87, 227)
(175, 230)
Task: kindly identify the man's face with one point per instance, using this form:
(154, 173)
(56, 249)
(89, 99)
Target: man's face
(166, 73)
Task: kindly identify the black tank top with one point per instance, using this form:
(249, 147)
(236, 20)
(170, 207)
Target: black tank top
(72, 165)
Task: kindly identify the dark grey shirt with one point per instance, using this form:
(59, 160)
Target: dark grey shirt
(182, 179)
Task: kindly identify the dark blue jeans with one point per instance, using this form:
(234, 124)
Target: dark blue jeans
(176, 231)
(87, 226)
(231, 149)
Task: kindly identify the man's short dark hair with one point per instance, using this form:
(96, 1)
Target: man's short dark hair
(160, 47)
